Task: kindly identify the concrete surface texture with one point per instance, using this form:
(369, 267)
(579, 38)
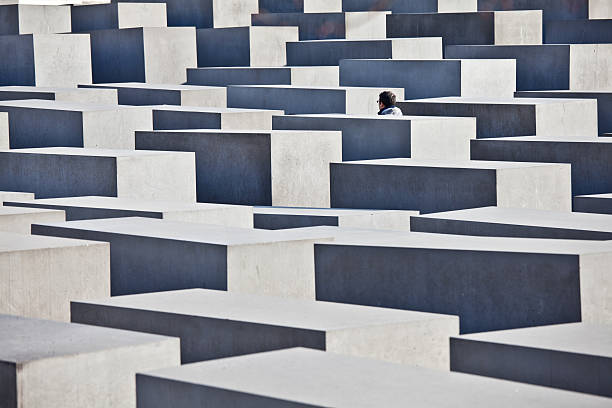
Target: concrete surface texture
(600, 9)
(278, 167)
(4, 131)
(94, 207)
(300, 76)
(300, 6)
(77, 95)
(76, 356)
(19, 220)
(593, 203)
(118, 15)
(552, 9)
(311, 378)
(578, 32)
(291, 217)
(366, 137)
(40, 275)
(34, 19)
(42, 123)
(216, 324)
(573, 357)
(14, 195)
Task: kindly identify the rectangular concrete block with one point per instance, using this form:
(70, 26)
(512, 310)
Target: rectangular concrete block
(216, 324)
(274, 218)
(285, 168)
(330, 52)
(298, 76)
(593, 203)
(552, 9)
(19, 220)
(34, 19)
(79, 95)
(118, 15)
(457, 6)
(94, 207)
(150, 255)
(300, 6)
(436, 185)
(600, 9)
(40, 275)
(579, 67)
(578, 32)
(61, 60)
(167, 117)
(574, 357)
(55, 364)
(72, 172)
(556, 118)
(134, 93)
(143, 55)
(516, 222)
(4, 131)
(15, 195)
(322, 26)
(491, 283)
(478, 28)
(367, 137)
(244, 46)
(431, 78)
(311, 378)
(397, 6)
(42, 123)
(297, 99)
(590, 159)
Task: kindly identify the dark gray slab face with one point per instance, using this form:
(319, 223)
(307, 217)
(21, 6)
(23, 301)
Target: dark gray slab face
(94, 17)
(292, 100)
(596, 203)
(491, 283)
(313, 26)
(573, 357)
(578, 32)
(590, 159)
(310, 378)
(538, 67)
(395, 6)
(19, 69)
(236, 50)
(185, 13)
(285, 221)
(454, 28)
(552, 9)
(239, 76)
(141, 94)
(110, 63)
(330, 52)
(515, 222)
(604, 103)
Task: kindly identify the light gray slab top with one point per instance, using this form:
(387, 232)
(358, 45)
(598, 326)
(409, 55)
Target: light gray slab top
(15, 195)
(247, 132)
(496, 101)
(326, 212)
(408, 118)
(130, 204)
(43, 89)
(190, 232)
(90, 152)
(6, 211)
(567, 92)
(456, 164)
(580, 338)
(160, 87)
(177, 108)
(332, 380)
(66, 106)
(275, 311)
(601, 196)
(11, 242)
(552, 139)
(529, 217)
(357, 41)
(324, 88)
(23, 339)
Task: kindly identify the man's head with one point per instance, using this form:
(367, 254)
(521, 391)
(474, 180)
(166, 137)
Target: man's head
(386, 99)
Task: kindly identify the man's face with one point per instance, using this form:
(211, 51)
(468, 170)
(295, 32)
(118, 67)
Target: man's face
(381, 105)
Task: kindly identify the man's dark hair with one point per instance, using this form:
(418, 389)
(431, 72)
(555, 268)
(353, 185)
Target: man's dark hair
(387, 98)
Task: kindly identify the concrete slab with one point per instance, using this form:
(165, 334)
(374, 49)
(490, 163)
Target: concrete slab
(573, 357)
(78, 95)
(594, 203)
(43, 123)
(135, 93)
(367, 137)
(207, 13)
(56, 364)
(19, 220)
(411, 6)
(443, 185)
(579, 67)
(95, 207)
(72, 172)
(516, 222)
(300, 6)
(311, 378)
(515, 116)
(590, 159)
(118, 15)
(297, 99)
(578, 32)
(34, 19)
(215, 324)
(604, 103)
(478, 28)
(274, 218)
(244, 46)
(491, 283)
(299, 76)
(364, 25)
(40, 275)
(553, 10)
(431, 78)
(4, 131)
(143, 55)
(330, 52)
(61, 60)
(15, 195)
(284, 168)
(600, 9)
(144, 255)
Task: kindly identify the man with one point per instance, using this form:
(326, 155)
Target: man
(386, 104)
